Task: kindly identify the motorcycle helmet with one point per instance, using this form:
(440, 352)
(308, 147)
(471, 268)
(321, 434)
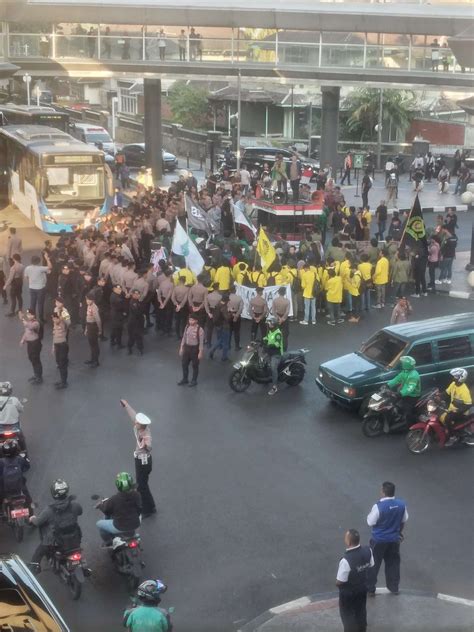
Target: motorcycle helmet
(6, 389)
(124, 482)
(59, 489)
(272, 321)
(459, 375)
(150, 590)
(11, 447)
(407, 363)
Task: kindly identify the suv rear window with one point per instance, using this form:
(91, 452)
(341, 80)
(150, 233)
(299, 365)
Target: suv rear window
(383, 348)
(453, 348)
(422, 353)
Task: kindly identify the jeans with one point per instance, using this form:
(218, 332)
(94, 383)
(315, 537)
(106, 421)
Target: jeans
(274, 362)
(223, 342)
(381, 226)
(295, 187)
(445, 268)
(334, 310)
(399, 289)
(37, 299)
(366, 299)
(388, 552)
(380, 289)
(432, 265)
(310, 310)
(106, 529)
(348, 301)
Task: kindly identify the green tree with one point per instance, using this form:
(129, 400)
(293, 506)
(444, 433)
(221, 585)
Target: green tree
(362, 112)
(189, 105)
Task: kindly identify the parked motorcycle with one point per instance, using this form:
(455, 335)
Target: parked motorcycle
(254, 366)
(126, 554)
(430, 429)
(384, 416)
(15, 512)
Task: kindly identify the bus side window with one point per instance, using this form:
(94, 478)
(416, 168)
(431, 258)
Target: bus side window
(3, 155)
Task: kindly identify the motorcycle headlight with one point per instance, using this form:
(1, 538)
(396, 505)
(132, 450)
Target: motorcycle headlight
(431, 407)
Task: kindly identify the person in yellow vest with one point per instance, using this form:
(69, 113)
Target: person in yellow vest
(365, 269)
(210, 272)
(240, 271)
(354, 281)
(223, 277)
(335, 265)
(344, 271)
(380, 278)
(288, 274)
(367, 215)
(334, 297)
(309, 279)
(257, 277)
(190, 278)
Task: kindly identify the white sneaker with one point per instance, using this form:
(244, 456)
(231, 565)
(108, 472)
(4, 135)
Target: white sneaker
(304, 322)
(273, 390)
(314, 322)
(415, 295)
(425, 293)
(448, 281)
(438, 282)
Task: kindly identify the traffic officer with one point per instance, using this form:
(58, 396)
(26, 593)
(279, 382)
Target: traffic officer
(142, 455)
(135, 322)
(191, 350)
(235, 307)
(61, 323)
(387, 519)
(281, 310)
(352, 576)
(258, 310)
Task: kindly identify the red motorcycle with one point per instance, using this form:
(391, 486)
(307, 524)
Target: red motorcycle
(430, 429)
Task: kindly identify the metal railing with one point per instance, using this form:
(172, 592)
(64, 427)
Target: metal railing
(277, 52)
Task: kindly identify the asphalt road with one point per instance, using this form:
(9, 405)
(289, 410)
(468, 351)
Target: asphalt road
(254, 493)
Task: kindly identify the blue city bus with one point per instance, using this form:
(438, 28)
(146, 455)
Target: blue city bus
(54, 179)
(12, 114)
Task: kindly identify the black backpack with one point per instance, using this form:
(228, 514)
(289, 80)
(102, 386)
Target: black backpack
(67, 534)
(12, 476)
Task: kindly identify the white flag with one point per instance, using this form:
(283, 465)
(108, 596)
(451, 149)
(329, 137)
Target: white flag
(241, 218)
(182, 245)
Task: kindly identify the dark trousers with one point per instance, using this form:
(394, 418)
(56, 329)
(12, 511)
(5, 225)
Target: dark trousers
(182, 54)
(285, 332)
(295, 187)
(61, 353)
(42, 550)
(208, 331)
(255, 327)
(92, 331)
(180, 320)
(432, 265)
(116, 334)
(223, 342)
(37, 300)
(165, 318)
(16, 289)
(34, 351)
(135, 335)
(142, 473)
(347, 174)
(353, 611)
(200, 315)
(420, 276)
(190, 355)
(388, 552)
(282, 187)
(365, 199)
(235, 331)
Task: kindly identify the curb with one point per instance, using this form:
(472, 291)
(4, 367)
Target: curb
(458, 208)
(330, 600)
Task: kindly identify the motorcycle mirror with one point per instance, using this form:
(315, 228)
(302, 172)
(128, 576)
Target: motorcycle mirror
(95, 497)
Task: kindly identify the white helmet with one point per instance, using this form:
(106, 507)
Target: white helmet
(460, 375)
(142, 419)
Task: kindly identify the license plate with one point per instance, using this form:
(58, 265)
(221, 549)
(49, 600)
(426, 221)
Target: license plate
(376, 397)
(20, 513)
(237, 366)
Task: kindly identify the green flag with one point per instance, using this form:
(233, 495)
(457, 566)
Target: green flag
(415, 227)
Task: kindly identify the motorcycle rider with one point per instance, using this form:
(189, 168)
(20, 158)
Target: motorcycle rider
(408, 383)
(273, 347)
(12, 466)
(147, 615)
(10, 409)
(58, 524)
(459, 397)
(122, 510)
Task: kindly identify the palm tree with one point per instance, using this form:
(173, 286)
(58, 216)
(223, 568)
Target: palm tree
(362, 106)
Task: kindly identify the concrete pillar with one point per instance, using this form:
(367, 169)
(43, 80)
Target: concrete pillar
(152, 127)
(330, 127)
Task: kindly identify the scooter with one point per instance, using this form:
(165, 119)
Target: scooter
(166, 611)
(430, 430)
(15, 513)
(71, 567)
(10, 409)
(384, 416)
(126, 553)
(254, 366)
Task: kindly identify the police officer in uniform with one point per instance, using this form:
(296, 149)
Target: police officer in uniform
(118, 315)
(135, 322)
(235, 307)
(387, 519)
(259, 310)
(352, 576)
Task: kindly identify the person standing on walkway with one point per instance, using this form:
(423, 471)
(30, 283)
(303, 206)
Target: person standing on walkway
(191, 350)
(37, 279)
(352, 576)
(14, 244)
(61, 324)
(365, 188)
(448, 254)
(236, 305)
(32, 337)
(142, 455)
(347, 168)
(222, 318)
(15, 284)
(380, 278)
(93, 330)
(387, 519)
(135, 325)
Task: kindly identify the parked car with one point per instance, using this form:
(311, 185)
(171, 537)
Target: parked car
(135, 157)
(437, 344)
(24, 605)
(256, 157)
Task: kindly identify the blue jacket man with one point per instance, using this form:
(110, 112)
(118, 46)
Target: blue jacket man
(387, 519)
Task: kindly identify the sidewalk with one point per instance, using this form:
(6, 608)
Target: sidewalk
(459, 287)
(410, 611)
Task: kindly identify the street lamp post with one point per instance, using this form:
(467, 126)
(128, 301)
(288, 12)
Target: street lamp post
(379, 130)
(27, 80)
(239, 108)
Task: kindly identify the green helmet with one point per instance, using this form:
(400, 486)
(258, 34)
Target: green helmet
(407, 363)
(124, 482)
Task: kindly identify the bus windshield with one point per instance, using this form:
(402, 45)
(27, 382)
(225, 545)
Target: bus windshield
(74, 183)
(98, 137)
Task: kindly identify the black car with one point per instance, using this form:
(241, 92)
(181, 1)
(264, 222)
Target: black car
(135, 157)
(24, 605)
(256, 157)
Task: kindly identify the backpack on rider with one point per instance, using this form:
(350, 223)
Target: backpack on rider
(12, 477)
(67, 533)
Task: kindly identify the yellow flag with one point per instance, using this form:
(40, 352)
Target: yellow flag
(265, 250)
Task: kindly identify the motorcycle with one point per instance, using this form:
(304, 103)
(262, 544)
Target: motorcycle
(430, 430)
(15, 512)
(166, 611)
(255, 367)
(72, 569)
(384, 416)
(126, 554)
(10, 408)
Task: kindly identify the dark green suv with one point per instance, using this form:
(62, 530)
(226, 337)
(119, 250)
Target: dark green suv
(437, 344)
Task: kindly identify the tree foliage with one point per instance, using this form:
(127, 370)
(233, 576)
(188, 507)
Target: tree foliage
(363, 112)
(189, 105)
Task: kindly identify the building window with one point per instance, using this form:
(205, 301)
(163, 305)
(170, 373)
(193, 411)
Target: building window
(128, 104)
